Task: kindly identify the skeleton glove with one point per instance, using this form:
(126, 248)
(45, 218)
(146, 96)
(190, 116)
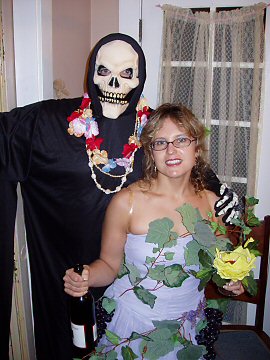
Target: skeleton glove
(228, 204)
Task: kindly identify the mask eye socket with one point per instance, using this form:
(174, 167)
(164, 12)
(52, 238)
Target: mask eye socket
(127, 73)
(103, 71)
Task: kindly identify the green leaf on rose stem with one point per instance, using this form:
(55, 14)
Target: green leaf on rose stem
(160, 232)
(205, 259)
(205, 280)
(251, 201)
(174, 275)
(157, 273)
(169, 255)
(112, 337)
(145, 296)
(191, 253)
(205, 273)
(214, 225)
(127, 353)
(250, 284)
(160, 345)
(135, 336)
(111, 355)
(134, 273)
(255, 252)
(108, 304)
(191, 352)
(190, 216)
(252, 220)
(218, 280)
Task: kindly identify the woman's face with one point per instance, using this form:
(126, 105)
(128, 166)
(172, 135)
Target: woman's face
(174, 162)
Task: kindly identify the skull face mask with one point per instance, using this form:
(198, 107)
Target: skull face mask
(116, 74)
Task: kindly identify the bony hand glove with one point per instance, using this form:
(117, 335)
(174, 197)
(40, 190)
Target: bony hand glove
(228, 204)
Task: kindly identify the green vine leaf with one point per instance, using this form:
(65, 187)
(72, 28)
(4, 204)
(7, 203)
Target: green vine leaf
(157, 273)
(191, 253)
(145, 296)
(190, 216)
(191, 352)
(134, 274)
(111, 355)
(162, 343)
(252, 220)
(150, 260)
(108, 304)
(160, 232)
(136, 336)
(172, 325)
(123, 269)
(169, 255)
(112, 337)
(174, 275)
(204, 235)
(251, 201)
(128, 354)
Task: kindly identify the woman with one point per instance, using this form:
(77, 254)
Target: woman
(174, 146)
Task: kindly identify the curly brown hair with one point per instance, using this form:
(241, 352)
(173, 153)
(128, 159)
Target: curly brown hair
(183, 118)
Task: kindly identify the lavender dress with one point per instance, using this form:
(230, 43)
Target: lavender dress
(184, 303)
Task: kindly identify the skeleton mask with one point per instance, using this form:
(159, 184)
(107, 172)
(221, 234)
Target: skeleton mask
(116, 74)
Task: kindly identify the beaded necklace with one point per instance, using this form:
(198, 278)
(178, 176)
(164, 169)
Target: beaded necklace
(82, 122)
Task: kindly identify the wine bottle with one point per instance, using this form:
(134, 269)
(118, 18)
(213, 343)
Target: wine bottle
(83, 322)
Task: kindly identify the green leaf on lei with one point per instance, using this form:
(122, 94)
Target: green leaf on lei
(160, 233)
(145, 296)
(190, 216)
(128, 354)
(108, 304)
(191, 352)
(157, 273)
(162, 343)
(112, 337)
(174, 275)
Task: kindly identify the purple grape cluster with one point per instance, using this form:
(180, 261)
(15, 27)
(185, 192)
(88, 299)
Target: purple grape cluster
(102, 318)
(209, 334)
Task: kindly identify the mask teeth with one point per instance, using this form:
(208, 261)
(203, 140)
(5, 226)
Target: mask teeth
(112, 100)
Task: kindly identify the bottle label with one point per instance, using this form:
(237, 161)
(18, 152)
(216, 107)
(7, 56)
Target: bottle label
(78, 335)
(95, 332)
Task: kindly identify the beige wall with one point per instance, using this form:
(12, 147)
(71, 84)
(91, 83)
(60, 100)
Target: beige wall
(77, 26)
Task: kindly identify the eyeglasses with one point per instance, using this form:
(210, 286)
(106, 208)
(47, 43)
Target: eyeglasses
(180, 143)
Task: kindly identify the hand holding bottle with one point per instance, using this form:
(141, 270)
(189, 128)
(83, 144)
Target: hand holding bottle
(75, 284)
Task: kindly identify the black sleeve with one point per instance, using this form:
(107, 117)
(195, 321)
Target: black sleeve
(212, 182)
(16, 133)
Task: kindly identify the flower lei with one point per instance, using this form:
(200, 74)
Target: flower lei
(82, 122)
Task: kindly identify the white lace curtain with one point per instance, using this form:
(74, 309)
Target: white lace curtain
(2, 67)
(213, 63)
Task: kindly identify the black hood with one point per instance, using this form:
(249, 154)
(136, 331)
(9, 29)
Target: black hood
(136, 93)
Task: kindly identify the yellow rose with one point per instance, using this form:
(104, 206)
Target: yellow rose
(234, 265)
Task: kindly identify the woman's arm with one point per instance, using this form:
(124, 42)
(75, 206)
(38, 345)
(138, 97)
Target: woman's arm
(103, 271)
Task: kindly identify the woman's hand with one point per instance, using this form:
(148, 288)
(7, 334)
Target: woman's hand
(236, 287)
(76, 285)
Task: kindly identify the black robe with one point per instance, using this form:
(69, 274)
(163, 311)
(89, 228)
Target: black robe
(63, 208)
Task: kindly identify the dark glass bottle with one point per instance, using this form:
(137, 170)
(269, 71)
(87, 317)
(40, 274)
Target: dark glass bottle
(83, 322)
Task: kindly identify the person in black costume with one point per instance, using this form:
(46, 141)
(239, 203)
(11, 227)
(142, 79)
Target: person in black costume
(63, 206)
